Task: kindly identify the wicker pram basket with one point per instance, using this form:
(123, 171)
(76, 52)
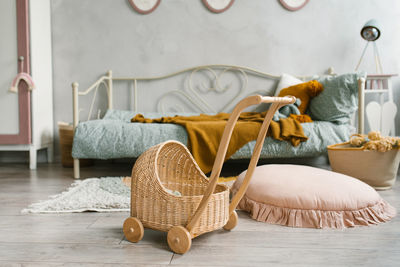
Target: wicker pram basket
(202, 205)
(170, 166)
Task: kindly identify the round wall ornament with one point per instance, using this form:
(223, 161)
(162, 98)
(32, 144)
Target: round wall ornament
(144, 6)
(218, 6)
(293, 5)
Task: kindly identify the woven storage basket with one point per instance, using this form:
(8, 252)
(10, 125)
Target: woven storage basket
(66, 133)
(170, 165)
(378, 169)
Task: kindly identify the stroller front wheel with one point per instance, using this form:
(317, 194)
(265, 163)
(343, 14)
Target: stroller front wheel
(133, 229)
(179, 239)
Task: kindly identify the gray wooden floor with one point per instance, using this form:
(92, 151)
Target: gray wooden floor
(92, 239)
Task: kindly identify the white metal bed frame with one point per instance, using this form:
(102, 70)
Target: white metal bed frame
(197, 101)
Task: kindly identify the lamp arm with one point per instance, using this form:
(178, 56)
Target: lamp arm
(362, 55)
(377, 60)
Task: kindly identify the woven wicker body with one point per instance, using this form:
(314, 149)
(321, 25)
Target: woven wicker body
(170, 166)
(201, 205)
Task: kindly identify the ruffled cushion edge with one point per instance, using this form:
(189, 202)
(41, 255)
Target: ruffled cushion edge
(372, 215)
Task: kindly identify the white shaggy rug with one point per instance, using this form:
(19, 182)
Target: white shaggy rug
(106, 194)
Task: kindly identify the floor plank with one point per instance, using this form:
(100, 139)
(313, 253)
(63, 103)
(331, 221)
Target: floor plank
(84, 253)
(288, 256)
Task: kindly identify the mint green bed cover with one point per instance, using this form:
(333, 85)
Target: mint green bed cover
(115, 136)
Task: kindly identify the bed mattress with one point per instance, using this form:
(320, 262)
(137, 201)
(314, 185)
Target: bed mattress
(115, 136)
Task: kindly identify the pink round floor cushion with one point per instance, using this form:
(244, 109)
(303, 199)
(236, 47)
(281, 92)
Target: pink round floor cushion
(302, 196)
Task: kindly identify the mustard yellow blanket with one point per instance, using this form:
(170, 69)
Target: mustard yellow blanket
(205, 132)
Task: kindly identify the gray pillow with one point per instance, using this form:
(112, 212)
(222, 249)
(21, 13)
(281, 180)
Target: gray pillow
(338, 100)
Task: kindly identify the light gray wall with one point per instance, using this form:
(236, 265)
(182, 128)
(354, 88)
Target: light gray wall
(92, 36)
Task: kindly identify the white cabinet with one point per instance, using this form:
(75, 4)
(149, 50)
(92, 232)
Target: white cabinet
(380, 114)
(26, 118)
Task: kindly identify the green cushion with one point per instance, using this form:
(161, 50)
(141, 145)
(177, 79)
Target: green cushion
(338, 100)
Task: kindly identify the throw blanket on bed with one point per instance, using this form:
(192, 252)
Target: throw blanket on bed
(205, 132)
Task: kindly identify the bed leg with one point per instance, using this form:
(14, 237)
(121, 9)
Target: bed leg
(50, 152)
(361, 105)
(75, 108)
(76, 169)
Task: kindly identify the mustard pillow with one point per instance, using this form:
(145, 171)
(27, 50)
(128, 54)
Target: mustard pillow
(304, 91)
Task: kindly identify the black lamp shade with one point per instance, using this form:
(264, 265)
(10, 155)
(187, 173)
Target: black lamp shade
(370, 31)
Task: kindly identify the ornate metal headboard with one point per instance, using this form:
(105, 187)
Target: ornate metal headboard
(207, 89)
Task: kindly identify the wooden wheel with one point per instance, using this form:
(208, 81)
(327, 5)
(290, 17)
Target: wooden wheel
(232, 222)
(133, 229)
(179, 239)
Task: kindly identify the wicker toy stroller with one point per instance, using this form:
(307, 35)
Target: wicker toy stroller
(201, 205)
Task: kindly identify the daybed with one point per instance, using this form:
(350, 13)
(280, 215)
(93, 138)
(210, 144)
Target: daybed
(114, 136)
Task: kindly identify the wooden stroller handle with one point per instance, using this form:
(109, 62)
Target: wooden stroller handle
(277, 102)
(282, 100)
